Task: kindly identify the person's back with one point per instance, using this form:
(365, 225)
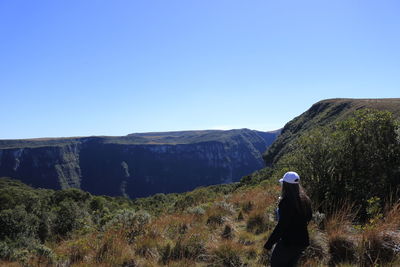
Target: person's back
(290, 233)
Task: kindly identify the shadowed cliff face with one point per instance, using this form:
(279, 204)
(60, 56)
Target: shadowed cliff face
(46, 167)
(137, 166)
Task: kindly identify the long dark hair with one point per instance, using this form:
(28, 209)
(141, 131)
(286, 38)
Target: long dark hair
(296, 195)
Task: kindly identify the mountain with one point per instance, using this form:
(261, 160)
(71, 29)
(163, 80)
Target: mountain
(136, 165)
(323, 113)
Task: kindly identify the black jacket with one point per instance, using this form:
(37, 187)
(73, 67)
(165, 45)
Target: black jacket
(291, 227)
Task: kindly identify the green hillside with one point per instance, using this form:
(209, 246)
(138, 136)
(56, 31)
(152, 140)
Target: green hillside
(324, 113)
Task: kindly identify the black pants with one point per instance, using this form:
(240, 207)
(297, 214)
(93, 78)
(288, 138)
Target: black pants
(285, 256)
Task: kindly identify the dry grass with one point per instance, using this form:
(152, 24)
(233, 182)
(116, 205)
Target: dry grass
(379, 247)
(9, 264)
(181, 239)
(259, 198)
(113, 249)
(340, 219)
(341, 238)
(185, 239)
(392, 217)
(171, 225)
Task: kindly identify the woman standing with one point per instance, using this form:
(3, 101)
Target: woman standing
(290, 234)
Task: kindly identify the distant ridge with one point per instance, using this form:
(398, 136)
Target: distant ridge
(136, 165)
(172, 137)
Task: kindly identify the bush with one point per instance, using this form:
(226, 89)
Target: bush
(247, 207)
(240, 216)
(191, 248)
(17, 223)
(69, 217)
(5, 251)
(78, 249)
(342, 250)
(317, 251)
(378, 248)
(227, 255)
(215, 219)
(228, 232)
(346, 161)
(45, 254)
(130, 222)
(258, 223)
(147, 247)
(196, 210)
(224, 208)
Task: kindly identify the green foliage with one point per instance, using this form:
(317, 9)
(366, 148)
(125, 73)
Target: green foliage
(131, 222)
(30, 217)
(256, 177)
(17, 223)
(72, 194)
(69, 217)
(348, 160)
(374, 211)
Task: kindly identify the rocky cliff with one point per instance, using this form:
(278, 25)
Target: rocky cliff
(136, 165)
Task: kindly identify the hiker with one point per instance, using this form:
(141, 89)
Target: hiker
(290, 234)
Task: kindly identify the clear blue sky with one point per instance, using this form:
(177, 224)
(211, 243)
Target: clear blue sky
(93, 67)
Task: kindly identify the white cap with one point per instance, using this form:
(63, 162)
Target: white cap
(291, 178)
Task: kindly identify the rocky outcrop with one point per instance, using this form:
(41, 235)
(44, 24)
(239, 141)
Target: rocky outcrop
(136, 165)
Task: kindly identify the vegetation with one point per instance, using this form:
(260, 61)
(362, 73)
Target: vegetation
(224, 225)
(321, 114)
(345, 161)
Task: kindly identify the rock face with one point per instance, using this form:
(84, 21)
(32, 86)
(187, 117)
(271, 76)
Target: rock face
(136, 165)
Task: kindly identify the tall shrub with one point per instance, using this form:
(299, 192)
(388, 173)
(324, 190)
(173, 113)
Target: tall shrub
(357, 159)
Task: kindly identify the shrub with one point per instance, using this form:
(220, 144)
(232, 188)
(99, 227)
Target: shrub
(69, 217)
(349, 159)
(17, 223)
(258, 223)
(130, 222)
(78, 249)
(341, 250)
(247, 207)
(45, 255)
(147, 247)
(5, 251)
(227, 255)
(228, 232)
(240, 216)
(196, 210)
(191, 248)
(166, 252)
(317, 250)
(224, 208)
(378, 248)
(71, 194)
(216, 219)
